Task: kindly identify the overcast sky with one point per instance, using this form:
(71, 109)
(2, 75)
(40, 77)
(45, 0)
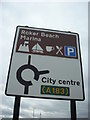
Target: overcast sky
(64, 16)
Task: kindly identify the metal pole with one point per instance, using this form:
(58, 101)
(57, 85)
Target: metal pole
(73, 109)
(16, 108)
(33, 113)
(40, 116)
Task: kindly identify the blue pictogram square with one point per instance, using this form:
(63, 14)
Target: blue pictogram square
(70, 51)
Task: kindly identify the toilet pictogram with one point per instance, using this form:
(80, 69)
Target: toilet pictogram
(36, 74)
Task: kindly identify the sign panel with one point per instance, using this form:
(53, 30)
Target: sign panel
(45, 64)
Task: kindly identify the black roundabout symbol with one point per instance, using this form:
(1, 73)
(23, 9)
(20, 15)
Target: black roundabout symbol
(36, 74)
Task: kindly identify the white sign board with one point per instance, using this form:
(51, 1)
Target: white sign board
(45, 64)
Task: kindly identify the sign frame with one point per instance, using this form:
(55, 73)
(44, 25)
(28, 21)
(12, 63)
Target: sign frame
(65, 32)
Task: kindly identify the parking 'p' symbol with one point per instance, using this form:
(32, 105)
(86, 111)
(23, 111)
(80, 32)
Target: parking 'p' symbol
(70, 51)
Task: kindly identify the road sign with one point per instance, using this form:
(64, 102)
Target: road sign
(45, 64)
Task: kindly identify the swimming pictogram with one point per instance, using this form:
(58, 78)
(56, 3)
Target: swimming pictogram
(36, 74)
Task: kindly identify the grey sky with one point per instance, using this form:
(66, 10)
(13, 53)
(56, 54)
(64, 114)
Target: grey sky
(64, 16)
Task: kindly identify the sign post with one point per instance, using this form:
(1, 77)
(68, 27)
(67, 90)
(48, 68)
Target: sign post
(16, 108)
(46, 64)
(73, 109)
